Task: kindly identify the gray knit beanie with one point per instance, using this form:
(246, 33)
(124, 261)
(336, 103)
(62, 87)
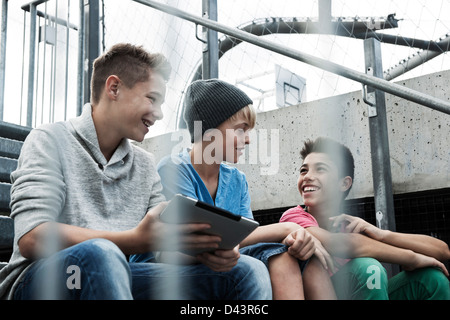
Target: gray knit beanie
(212, 102)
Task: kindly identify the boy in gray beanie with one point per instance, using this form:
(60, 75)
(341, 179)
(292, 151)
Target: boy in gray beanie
(226, 116)
(212, 102)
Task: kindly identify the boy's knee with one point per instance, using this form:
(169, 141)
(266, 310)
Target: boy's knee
(365, 278)
(104, 270)
(101, 254)
(251, 267)
(101, 247)
(370, 270)
(436, 283)
(441, 284)
(368, 265)
(255, 274)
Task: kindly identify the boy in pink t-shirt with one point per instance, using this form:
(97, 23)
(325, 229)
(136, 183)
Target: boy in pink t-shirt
(299, 216)
(326, 177)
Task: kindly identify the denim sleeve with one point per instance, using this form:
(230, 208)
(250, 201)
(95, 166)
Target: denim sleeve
(245, 210)
(175, 179)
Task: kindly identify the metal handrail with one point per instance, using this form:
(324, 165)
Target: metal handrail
(377, 83)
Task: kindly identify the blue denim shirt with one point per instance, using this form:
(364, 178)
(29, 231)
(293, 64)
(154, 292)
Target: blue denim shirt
(179, 176)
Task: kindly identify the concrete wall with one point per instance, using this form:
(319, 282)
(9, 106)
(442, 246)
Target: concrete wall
(419, 141)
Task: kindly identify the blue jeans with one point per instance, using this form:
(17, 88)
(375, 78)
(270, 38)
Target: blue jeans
(97, 269)
(265, 250)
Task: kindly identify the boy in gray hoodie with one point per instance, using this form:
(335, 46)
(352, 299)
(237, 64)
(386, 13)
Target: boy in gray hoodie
(83, 198)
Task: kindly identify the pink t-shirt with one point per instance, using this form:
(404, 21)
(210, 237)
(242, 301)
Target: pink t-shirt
(299, 216)
(304, 219)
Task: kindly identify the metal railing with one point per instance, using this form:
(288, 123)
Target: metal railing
(4, 29)
(49, 41)
(40, 90)
(377, 83)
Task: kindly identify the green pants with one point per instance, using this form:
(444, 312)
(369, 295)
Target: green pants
(366, 279)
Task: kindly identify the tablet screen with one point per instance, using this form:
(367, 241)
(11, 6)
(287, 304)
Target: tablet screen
(230, 227)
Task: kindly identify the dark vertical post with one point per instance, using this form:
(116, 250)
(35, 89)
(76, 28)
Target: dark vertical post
(325, 16)
(210, 66)
(4, 28)
(31, 64)
(379, 142)
(81, 59)
(92, 42)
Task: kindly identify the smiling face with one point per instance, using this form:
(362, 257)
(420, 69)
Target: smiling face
(319, 183)
(138, 108)
(236, 136)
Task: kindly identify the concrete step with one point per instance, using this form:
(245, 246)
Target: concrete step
(7, 166)
(5, 189)
(6, 233)
(10, 148)
(13, 131)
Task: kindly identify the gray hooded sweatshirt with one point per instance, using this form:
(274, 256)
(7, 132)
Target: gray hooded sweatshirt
(63, 176)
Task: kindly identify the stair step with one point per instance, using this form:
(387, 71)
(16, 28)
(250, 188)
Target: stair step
(5, 189)
(7, 166)
(10, 148)
(6, 232)
(13, 131)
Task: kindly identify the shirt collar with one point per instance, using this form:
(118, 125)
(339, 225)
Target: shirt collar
(85, 128)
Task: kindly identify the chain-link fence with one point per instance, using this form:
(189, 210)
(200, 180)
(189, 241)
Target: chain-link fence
(255, 69)
(407, 29)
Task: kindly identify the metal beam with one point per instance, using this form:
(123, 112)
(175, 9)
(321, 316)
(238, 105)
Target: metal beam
(438, 46)
(325, 16)
(378, 83)
(210, 65)
(416, 60)
(31, 64)
(81, 59)
(4, 29)
(336, 26)
(379, 145)
(92, 42)
(379, 140)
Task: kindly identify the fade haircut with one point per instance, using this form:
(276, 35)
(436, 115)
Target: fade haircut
(128, 62)
(338, 153)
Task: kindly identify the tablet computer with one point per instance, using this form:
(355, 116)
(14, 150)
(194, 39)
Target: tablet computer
(230, 227)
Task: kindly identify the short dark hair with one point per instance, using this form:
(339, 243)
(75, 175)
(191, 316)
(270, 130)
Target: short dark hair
(130, 63)
(339, 154)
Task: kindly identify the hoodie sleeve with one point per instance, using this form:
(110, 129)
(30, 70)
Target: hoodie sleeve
(38, 187)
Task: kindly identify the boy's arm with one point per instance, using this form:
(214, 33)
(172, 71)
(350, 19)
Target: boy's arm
(276, 232)
(354, 245)
(301, 243)
(416, 242)
(34, 244)
(150, 234)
